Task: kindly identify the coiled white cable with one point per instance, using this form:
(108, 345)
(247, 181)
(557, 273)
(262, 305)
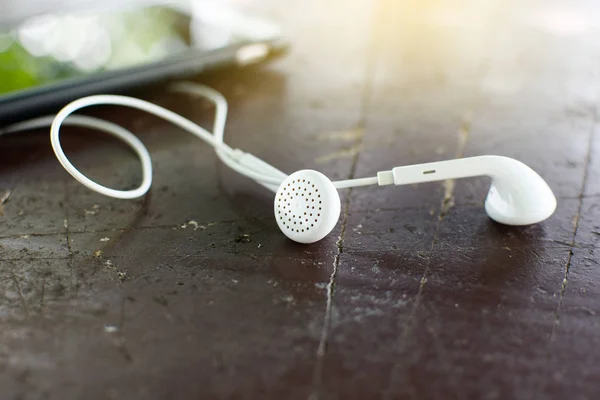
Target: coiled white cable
(105, 126)
(233, 158)
(223, 151)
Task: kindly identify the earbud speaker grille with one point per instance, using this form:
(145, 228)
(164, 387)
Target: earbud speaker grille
(307, 206)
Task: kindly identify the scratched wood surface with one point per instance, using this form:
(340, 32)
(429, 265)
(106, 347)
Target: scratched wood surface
(416, 294)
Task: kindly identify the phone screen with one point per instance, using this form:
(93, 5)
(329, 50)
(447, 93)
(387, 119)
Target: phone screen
(50, 48)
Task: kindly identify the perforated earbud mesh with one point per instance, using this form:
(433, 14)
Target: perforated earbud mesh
(299, 205)
(307, 206)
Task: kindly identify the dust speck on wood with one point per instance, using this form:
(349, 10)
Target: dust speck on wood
(243, 238)
(122, 275)
(4, 200)
(162, 300)
(194, 224)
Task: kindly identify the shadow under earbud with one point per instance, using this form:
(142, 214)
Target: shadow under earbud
(527, 236)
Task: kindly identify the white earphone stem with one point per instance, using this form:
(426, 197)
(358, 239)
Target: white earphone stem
(517, 196)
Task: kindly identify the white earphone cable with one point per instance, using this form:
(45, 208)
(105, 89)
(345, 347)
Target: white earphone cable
(105, 126)
(226, 154)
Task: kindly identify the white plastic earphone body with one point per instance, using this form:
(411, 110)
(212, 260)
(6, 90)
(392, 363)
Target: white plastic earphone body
(307, 206)
(517, 196)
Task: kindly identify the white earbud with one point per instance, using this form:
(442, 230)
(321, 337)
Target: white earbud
(517, 196)
(307, 204)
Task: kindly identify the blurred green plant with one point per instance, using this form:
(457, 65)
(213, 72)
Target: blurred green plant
(135, 37)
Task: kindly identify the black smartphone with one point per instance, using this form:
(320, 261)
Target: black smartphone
(51, 58)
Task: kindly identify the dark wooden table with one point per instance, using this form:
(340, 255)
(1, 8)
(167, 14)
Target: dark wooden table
(417, 294)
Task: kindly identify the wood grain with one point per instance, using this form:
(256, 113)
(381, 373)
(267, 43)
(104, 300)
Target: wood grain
(416, 294)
